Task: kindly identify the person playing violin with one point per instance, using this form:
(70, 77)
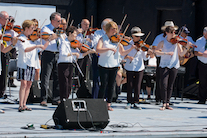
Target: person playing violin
(109, 61)
(169, 64)
(201, 53)
(27, 62)
(67, 56)
(97, 35)
(135, 69)
(85, 39)
(49, 61)
(156, 41)
(12, 53)
(37, 71)
(4, 16)
(191, 60)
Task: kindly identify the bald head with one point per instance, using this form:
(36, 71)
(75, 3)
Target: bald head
(3, 17)
(85, 24)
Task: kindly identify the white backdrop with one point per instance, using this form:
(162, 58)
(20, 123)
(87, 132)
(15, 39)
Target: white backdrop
(28, 11)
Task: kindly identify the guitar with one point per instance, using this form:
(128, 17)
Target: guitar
(186, 57)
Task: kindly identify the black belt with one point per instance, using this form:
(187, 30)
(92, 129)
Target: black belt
(54, 52)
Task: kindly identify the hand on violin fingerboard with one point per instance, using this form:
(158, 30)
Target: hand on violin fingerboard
(14, 40)
(53, 36)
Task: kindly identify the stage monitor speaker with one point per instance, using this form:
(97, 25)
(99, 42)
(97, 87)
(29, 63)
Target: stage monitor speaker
(78, 113)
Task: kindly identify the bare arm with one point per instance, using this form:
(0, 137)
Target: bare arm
(158, 49)
(125, 52)
(182, 52)
(100, 49)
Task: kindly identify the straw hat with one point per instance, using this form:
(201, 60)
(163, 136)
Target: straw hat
(169, 23)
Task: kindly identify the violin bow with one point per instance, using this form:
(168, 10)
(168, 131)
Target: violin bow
(122, 36)
(91, 21)
(143, 42)
(71, 23)
(122, 23)
(7, 20)
(14, 18)
(68, 19)
(72, 56)
(43, 23)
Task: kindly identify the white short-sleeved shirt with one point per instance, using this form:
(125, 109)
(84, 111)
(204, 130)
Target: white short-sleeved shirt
(137, 63)
(200, 43)
(97, 35)
(109, 59)
(25, 59)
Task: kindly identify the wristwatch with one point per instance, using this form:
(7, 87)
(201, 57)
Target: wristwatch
(12, 46)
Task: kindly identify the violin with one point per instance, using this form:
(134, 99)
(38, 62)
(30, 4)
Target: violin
(116, 38)
(83, 47)
(183, 42)
(34, 36)
(141, 45)
(17, 29)
(9, 26)
(8, 37)
(91, 31)
(59, 30)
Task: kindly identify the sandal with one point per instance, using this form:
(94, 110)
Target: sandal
(168, 107)
(20, 109)
(110, 108)
(27, 109)
(163, 108)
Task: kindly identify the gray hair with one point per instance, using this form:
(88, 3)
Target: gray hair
(205, 30)
(2, 14)
(52, 16)
(105, 21)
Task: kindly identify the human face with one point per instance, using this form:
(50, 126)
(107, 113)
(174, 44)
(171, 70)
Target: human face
(72, 36)
(3, 19)
(57, 21)
(29, 30)
(205, 35)
(170, 34)
(63, 22)
(85, 25)
(183, 34)
(136, 38)
(113, 30)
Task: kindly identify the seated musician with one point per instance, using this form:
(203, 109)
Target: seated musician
(149, 77)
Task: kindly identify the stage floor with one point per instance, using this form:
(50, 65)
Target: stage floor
(188, 119)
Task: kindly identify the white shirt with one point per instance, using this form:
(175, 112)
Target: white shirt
(53, 44)
(200, 43)
(109, 59)
(152, 61)
(137, 63)
(80, 38)
(168, 60)
(64, 50)
(157, 40)
(97, 35)
(25, 59)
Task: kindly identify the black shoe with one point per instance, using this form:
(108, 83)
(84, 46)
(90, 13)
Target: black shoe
(170, 103)
(201, 102)
(55, 102)
(13, 85)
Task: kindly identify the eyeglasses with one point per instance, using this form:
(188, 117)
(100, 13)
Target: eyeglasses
(172, 32)
(137, 36)
(63, 23)
(58, 21)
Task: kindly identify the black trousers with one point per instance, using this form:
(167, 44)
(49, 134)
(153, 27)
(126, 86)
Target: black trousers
(3, 74)
(158, 83)
(83, 65)
(96, 78)
(202, 94)
(168, 77)
(134, 81)
(48, 66)
(108, 81)
(65, 73)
